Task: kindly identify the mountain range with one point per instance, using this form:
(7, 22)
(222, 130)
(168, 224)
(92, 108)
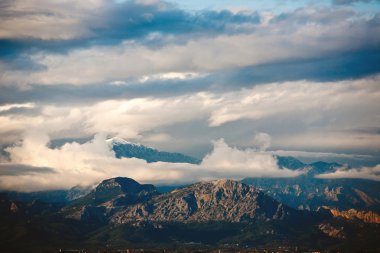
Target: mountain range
(303, 212)
(301, 192)
(120, 213)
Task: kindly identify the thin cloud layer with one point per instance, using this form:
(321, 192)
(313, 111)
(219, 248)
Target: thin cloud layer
(372, 173)
(11, 169)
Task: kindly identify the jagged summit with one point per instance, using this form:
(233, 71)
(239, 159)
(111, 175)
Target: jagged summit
(224, 181)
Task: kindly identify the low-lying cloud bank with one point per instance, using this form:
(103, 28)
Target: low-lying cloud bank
(32, 160)
(88, 163)
(372, 173)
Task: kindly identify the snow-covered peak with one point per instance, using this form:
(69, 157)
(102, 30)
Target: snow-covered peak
(120, 141)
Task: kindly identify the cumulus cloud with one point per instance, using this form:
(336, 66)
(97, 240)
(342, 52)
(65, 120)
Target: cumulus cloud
(262, 141)
(372, 173)
(88, 163)
(318, 106)
(232, 162)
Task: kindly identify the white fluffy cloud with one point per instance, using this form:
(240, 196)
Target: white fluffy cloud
(88, 163)
(262, 141)
(146, 117)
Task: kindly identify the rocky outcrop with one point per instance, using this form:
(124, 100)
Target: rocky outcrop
(368, 217)
(332, 231)
(221, 200)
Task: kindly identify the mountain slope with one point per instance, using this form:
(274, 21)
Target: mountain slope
(221, 200)
(123, 148)
(352, 214)
(305, 192)
(109, 195)
(120, 213)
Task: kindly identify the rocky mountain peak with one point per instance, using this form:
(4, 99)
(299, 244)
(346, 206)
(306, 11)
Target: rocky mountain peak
(122, 183)
(109, 195)
(227, 183)
(120, 191)
(220, 200)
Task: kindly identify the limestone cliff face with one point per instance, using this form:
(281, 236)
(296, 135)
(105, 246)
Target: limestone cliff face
(368, 217)
(221, 200)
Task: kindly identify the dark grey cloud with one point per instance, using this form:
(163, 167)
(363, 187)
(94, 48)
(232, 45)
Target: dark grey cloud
(8, 169)
(128, 20)
(20, 111)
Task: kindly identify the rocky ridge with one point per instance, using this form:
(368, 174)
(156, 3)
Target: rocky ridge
(368, 217)
(107, 197)
(220, 200)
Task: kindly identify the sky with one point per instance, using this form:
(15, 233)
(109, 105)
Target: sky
(231, 82)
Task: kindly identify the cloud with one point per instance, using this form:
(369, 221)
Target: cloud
(233, 162)
(93, 161)
(320, 155)
(9, 169)
(333, 68)
(338, 140)
(302, 34)
(63, 25)
(343, 2)
(299, 97)
(8, 107)
(262, 141)
(317, 116)
(372, 173)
